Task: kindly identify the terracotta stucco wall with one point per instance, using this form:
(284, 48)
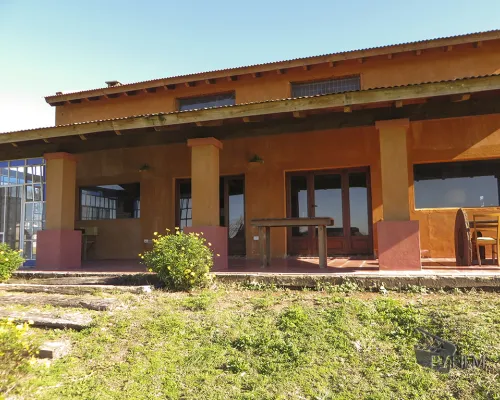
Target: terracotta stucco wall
(429, 141)
(470, 138)
(406, 68)
(264, 183)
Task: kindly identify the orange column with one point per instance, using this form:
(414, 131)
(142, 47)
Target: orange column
(398, 237)
(205, 196)
(59, 245)
(205, 181)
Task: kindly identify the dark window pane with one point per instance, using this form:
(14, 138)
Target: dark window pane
(299, 203)
(110, 201)
(217, 100)
(185, 204)
(358, 203)
(328, 201)
(329, 86)
(458, 184)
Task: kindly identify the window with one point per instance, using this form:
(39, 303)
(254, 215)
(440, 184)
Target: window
(337, 85)
(457, 184)
(110, 201)
(216, 100)
(185, 204)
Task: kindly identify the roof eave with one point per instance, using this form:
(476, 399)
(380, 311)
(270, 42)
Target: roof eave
(273, 66)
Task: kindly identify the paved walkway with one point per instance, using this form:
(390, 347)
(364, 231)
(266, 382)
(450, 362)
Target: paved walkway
(294, 266)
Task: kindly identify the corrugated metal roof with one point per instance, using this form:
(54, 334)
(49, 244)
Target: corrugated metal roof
(492, 34)
(244, 104)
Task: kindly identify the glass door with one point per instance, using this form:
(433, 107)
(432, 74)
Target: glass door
(342, 195)
(22, 204)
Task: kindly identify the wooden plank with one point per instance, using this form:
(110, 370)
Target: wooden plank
(340, 100)
(280, 222)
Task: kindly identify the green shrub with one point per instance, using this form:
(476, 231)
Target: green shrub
(10, 260)
(15, 352)
(182, 261)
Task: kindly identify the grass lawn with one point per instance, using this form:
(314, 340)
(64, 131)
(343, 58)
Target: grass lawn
(273, 344)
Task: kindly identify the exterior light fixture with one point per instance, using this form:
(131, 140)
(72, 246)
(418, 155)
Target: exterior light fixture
(257, 159)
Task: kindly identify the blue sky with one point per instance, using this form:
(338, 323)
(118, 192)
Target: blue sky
(68, 45)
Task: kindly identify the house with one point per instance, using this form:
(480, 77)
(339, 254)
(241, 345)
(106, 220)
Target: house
(388, 141)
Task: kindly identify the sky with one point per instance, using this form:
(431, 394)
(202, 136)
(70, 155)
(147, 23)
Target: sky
(48, 46)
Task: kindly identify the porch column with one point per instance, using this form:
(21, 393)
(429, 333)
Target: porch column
(59, 246)
(398, 237)
(205, 196)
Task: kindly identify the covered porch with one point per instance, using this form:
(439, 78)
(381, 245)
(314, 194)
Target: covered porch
(216, 170)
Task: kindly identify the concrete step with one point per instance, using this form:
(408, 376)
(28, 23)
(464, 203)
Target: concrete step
(57, 300)
(84, 278)
(76, 321)
(73, 289)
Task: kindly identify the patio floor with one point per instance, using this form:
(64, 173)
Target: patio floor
(300, 265)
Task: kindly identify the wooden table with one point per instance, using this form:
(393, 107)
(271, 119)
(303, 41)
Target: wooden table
(265, 226)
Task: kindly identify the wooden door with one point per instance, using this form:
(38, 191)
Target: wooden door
(343, 195)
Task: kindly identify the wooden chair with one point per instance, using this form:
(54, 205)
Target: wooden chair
(491, 223)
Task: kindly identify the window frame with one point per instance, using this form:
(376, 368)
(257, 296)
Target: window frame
(96, 185)
(178, 100)
(315, 80)
(414, 198)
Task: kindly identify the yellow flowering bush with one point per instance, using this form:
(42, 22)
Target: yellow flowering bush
(181, 260)
(10, 260)
(16, 351)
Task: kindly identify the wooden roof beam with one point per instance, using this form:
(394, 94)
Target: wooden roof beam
(460, 97)
(281, 71)
(398, 103)
(333, 64)
(251, 119)
(190, 84)
(232, 78)
(210, 81)
(477, 45)
(170, 87)
(299, 114)
(257, 74)
(82, 137)
(418, 52)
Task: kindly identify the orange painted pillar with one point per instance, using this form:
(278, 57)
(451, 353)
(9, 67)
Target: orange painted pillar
(398, 237)
(59, 245)
(205, 197)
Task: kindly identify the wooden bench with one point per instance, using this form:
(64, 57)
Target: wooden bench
(265, 226)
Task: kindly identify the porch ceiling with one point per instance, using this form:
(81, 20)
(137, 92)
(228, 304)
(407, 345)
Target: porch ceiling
(467, 96)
